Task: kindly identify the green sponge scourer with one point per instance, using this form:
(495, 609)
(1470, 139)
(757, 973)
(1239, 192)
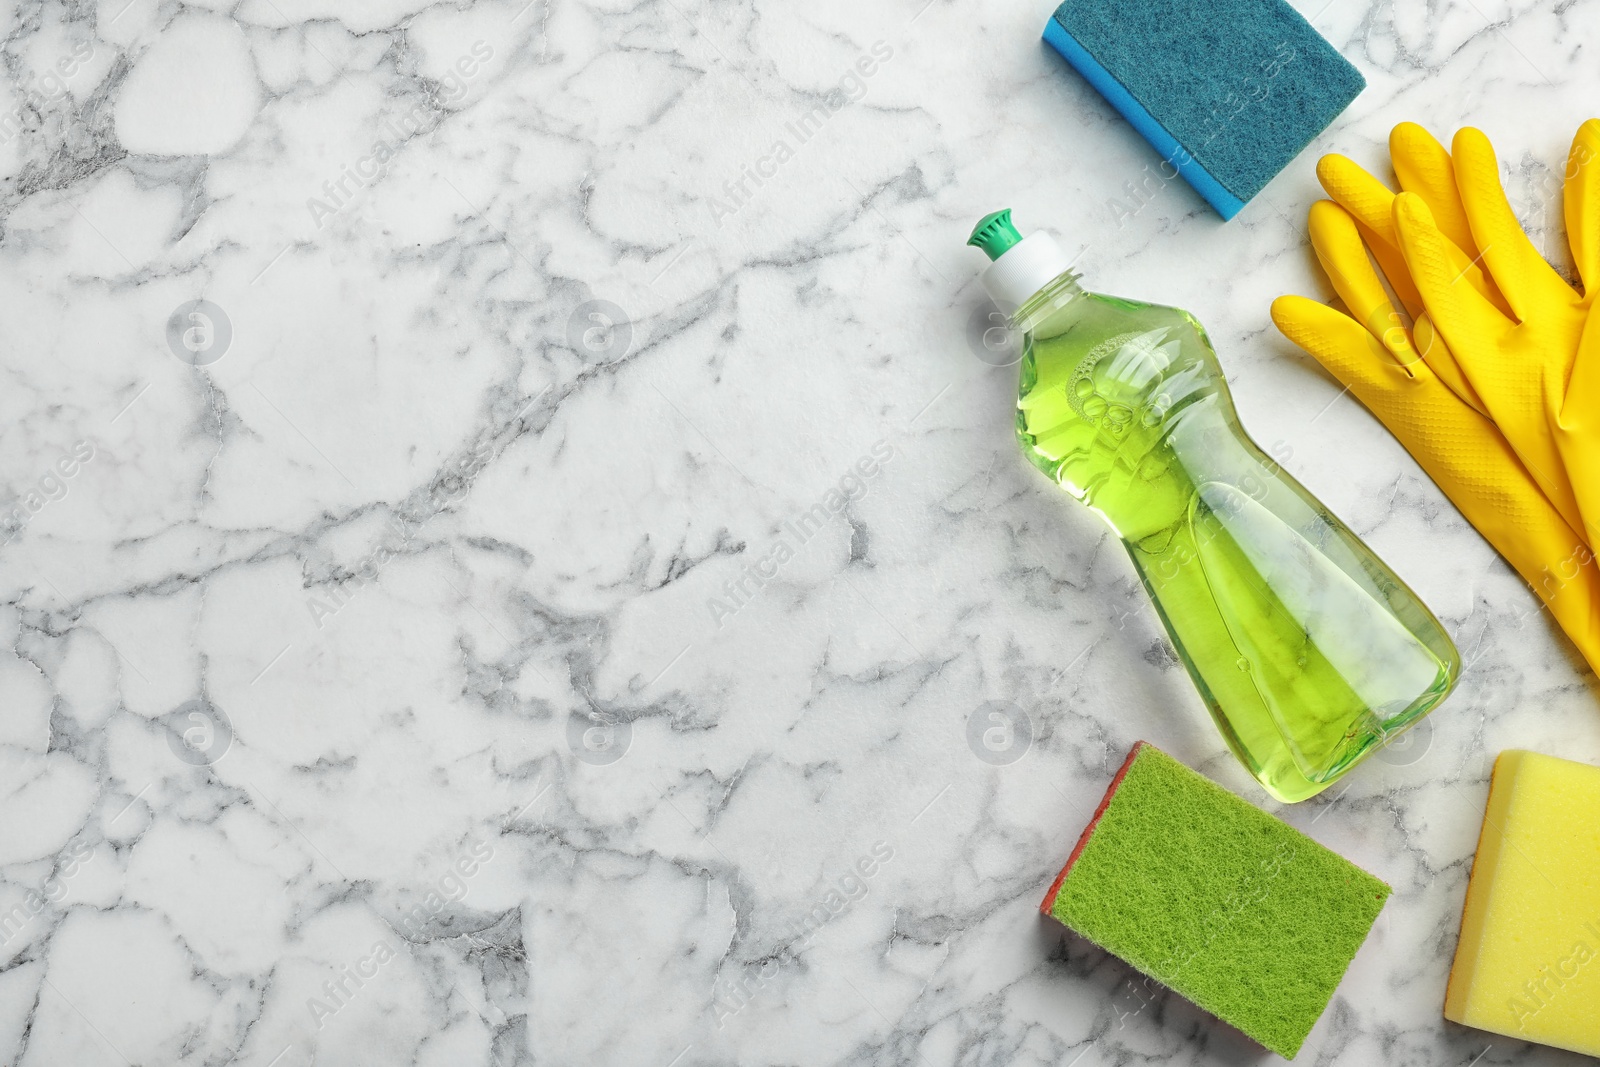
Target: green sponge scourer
(1214, 898)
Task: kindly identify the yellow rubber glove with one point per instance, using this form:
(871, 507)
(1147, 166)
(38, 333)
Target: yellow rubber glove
(1422, 166)
(1577, 424)
(1512, 330)
(1461, 449)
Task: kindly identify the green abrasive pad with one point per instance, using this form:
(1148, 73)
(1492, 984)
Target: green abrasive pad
(1215, 899)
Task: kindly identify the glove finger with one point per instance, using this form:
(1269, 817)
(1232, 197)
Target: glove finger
(1358, 192)
(1344, 260)
(1580, 196)
(1344, 346)
(1468, 320)
(1393, 265)
(1423, 167)
(1518, 270)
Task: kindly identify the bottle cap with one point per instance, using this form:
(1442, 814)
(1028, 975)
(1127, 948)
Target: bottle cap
(994, 233)
(1022, 265)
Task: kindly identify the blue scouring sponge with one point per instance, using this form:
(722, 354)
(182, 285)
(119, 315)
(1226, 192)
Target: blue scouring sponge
(1227, 91)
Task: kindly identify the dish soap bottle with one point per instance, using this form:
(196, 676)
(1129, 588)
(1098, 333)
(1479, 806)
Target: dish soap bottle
(1309, 652)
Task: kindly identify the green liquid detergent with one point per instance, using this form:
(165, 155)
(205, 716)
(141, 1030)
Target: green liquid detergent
(1307, 650)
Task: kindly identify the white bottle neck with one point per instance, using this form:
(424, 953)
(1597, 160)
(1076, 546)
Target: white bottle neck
(1023, 269)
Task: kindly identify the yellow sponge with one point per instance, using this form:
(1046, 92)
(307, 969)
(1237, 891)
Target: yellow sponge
(1528, 963)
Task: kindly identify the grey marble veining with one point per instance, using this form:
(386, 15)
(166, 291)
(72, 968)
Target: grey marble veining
(546, 601)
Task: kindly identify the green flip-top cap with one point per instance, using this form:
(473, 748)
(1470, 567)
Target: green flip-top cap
(994, 234)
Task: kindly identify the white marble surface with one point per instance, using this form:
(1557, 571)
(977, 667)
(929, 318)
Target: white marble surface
(421, 541)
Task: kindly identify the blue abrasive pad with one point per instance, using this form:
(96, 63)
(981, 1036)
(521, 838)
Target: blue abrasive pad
(1227, 91)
